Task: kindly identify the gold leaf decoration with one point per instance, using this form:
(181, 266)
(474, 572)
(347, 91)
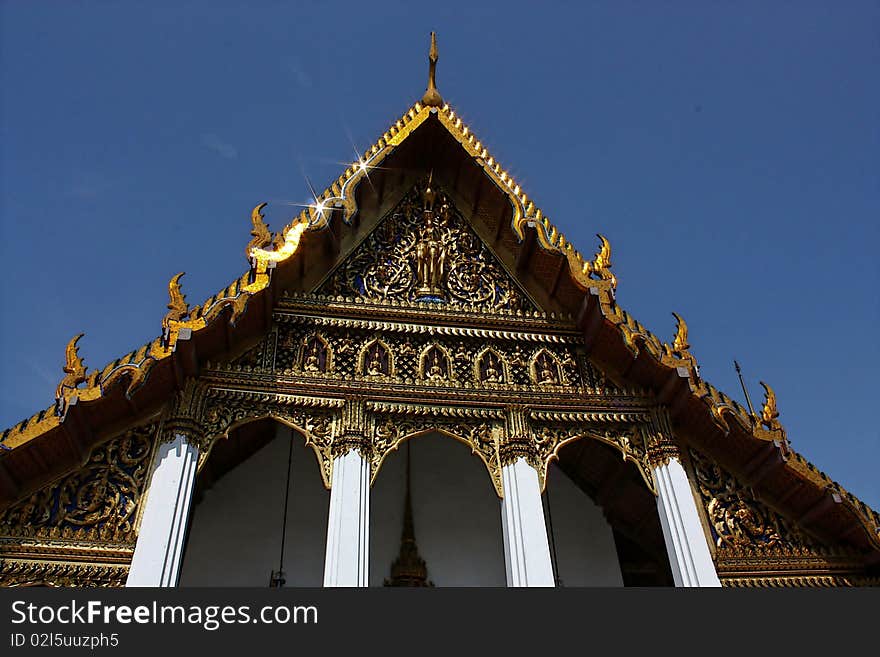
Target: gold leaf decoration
(74, 368)
(260, 231)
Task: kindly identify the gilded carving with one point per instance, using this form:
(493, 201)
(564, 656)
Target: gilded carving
(546, 369)
(390, 430)
(425, 251)
(315, 419)
(489, 366)
(627, 439)
(20, 573)
(661, 446)
(98, 502)
(737, 518)
(342, 350)
(74, 368)
(435, 364)
(679, 352)
(767, 426)
(74, 374)
(261, 237)
(376, 359)
(317, 355)
(600, 266)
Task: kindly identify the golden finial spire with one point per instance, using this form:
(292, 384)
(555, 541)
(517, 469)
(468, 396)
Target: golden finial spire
(432, 96)
(409, 568)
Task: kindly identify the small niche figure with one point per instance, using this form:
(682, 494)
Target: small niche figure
(376, 366)
(312, 363)
(436, 372)
(492, 374)
(546, 373)
(315, 359)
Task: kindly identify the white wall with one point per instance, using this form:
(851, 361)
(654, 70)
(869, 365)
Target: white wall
(235, 532)
(456, 512)
(586, 554)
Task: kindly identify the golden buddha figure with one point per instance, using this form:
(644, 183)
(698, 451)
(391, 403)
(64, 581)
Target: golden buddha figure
(375, 367)
(312, 363)
(547, 374)
(491, 375)
(436, 372)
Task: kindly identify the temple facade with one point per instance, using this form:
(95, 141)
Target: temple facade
(418, 381)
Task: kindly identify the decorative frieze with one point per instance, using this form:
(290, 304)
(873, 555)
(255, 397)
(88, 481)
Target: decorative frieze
(96, 503)
(14, 572)
(737, 518)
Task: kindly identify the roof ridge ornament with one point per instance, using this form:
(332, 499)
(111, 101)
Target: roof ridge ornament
(432, 96)
(74, 374)
(262, 237)
(767, 425)
(74, 368)
(680, 341)
(601, 264)
(769, 413)
(177, 305)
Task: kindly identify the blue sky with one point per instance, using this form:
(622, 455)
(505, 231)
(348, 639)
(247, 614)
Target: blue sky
(729, 151)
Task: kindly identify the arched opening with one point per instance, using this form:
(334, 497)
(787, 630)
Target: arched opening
(455, 512)
(545, 368)
(581, 538)
(235, 532)
(593, 495)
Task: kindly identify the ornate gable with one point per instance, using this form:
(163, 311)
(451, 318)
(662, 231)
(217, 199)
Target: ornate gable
(424, 250)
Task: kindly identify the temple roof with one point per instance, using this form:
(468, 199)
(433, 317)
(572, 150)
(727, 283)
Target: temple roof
(89, 405)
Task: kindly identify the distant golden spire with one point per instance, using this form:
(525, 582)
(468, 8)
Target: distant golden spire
(432, 96)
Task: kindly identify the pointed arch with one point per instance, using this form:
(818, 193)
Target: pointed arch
(316, 354)
(490, 366)
(481, 439)
(435, 362)
(631, 448)
(315, 436)
(545, 368)
(375, 359)
(259, 482)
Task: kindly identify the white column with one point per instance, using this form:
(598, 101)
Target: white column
(689, 555)
(159, 550)
(526, 548)
(348, 527)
